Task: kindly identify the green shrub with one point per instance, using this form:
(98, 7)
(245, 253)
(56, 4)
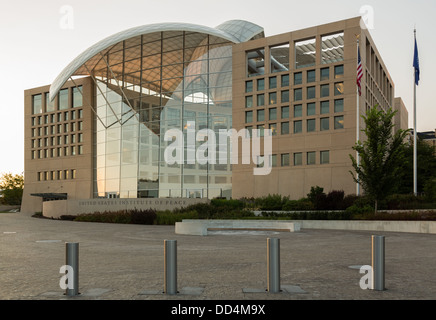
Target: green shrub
(146, 217)
(271, 202)
(358, 210)
(298, 205)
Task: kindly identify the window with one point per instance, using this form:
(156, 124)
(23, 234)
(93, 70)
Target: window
(325, 90)
(298, 159)
(37, 104)
(49, 105)
(325, 124)
(311, 125)
(298, 126)
(255, 62)
(273, 128)
(80, 150)
(260, 115)
(325, 157)
(285, 112)
(80, 139)
(311, 158)
(298, 94)
(73, 150)
(339, 88)
(325, 74)
(80, 114)
(298, 111)
(80, 125)
(273, 114)
(260, 100)
(285, 80)
(325, 107)
(73, 174)
(332, 48)
(279, 58)
(248, 131)
(77, 97)
(311, 76)
(261, 130)
(249, 86)
(298, 78)
(284, 160)
(339, 105)
(66, 174)
(249, 101)
(305, 53)
(73, 115)
(311, 109)
(285, 128)
(273, 98)
(59, 117)
(66, 116)
(311, 93)
(260, 84)
(339, 72)
(273, 82)
(248, 116)
(339, 122)
(273, 160)
(285, 96)
(63, 99)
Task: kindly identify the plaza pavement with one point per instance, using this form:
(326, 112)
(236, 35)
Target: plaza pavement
(126, 262)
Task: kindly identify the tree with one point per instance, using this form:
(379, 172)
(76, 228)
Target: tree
(12, 188)
(381, 155)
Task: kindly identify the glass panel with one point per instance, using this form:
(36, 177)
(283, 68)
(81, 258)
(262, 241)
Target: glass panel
(273, 128)
(261, 130)
(325, 74)
(325, 124)
(77, 97)
(298, 78)
(285, 96)
(37, 104)
(285, 80)
(339, 72)
(273, 114)
(311, 125)
(273, 82)
(49, 105)
(311, 158)
(298, 94)
(311, 109)
(279, 58)
(305, 53)
(285, 112)
(285, 160)
(298, 126)
(248, 116)
(260, 84)
(325, 157)
(325, 90)
(339, 105)
(298, 159)
(273, 98)
(325, 107)
(339, 89)
(285, 128)
(260, 115)
(255, 62)
(332, 48)
(249, 101)
(339, 122)
(260, 100)
(311, 76)
(249, 86)
(63, 99)
(311, 93)
(298, 111)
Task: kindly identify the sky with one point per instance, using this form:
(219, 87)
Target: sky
(40, 38)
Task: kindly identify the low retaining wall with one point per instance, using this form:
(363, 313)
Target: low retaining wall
(428, 227)
(56, 209)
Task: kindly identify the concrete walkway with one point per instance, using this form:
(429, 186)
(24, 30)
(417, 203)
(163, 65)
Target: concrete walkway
(125, 262)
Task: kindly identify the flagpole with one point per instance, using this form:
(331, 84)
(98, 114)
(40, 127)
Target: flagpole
(415, 139)
(358, 126)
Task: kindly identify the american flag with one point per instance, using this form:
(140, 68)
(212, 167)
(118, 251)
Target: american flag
(359, 72)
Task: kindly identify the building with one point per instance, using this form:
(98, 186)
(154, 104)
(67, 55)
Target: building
(429, 137)
(104, 127)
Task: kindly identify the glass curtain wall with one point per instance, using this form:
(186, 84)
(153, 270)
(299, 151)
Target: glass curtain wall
(147, 86)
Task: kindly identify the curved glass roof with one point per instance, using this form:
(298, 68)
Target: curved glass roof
(93, 59)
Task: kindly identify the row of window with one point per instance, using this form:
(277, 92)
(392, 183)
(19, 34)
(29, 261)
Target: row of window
(285, 159)
(66, 99)
(310, 93)
(324, 125)
(57, 117)
(297, 111)
(57, 152)
(56, 141)
(324, 75)
(57, 129)
(56, 175)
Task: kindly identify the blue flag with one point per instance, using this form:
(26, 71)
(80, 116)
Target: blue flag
(416, 64)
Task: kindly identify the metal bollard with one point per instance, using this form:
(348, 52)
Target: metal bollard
(273, 267)
(72, 260)
(170, 266)
(378, 263)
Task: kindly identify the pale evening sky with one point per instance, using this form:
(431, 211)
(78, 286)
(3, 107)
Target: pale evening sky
(36, 46)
